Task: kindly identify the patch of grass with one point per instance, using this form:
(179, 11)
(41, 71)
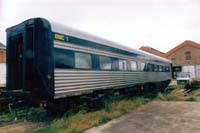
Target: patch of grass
(75, 131)
(174, 96)
(104, 119)
(34, 114)
(123, 111)
(84, 120)
(191, 99)
(113, 108)
(107, 106)
(7, 117)
(178, 93)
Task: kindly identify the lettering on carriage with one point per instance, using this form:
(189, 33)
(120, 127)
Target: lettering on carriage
(59, 37)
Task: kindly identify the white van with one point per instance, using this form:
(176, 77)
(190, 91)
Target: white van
(183, 78)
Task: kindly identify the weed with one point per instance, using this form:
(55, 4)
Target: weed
(107, 106)
(104, 119)
(84, 107)
(191, 99)
(75, 131)
(123, 111)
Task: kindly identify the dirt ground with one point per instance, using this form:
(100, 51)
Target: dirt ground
(19, 127)
(156, 117)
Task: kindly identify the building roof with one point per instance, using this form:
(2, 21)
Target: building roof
(183, 44)
(152, 51)
(2, 46)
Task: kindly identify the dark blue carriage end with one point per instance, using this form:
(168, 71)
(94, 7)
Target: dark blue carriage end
(30, 61)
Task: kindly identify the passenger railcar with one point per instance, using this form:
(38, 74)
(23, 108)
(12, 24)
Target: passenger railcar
(47, 62)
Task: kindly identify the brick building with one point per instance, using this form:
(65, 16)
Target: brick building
(2, 53)
(2, 64)
(185, 57)
(186, 53)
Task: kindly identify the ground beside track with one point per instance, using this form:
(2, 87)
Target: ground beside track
(83, 120)
(156, 117)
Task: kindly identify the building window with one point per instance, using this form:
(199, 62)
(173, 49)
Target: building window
(83, 60)
(105, 63)
(187, 55)
(173, 59)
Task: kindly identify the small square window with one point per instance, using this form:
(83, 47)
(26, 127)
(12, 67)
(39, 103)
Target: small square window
(187, 55)
(173, 59)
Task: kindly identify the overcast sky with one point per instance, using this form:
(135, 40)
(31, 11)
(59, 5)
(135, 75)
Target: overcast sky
(161, 24)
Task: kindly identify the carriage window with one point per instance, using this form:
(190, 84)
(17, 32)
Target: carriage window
(149, 67)
(161, 69)
(83, 60)
(132, 66)
(142, 66)
(105, 63)
(64, 58)
(167, 69)
(122, 65)
(156, 68)
(95, 62)
(115, 64)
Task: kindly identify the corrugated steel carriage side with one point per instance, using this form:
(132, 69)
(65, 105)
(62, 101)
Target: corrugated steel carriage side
(79, 81)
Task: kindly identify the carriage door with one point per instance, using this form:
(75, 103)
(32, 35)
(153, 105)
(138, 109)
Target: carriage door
(15, 61)
(29, 58)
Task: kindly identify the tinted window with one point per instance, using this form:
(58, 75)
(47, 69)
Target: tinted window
(83, 60)
(167, 69)
(115, 64)
(64, 58)
(156, 68)
(142, 66)
(122, 65)
(132, 66)
(105, 63)
(149, 67)
(161, 69)
(95, 62)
